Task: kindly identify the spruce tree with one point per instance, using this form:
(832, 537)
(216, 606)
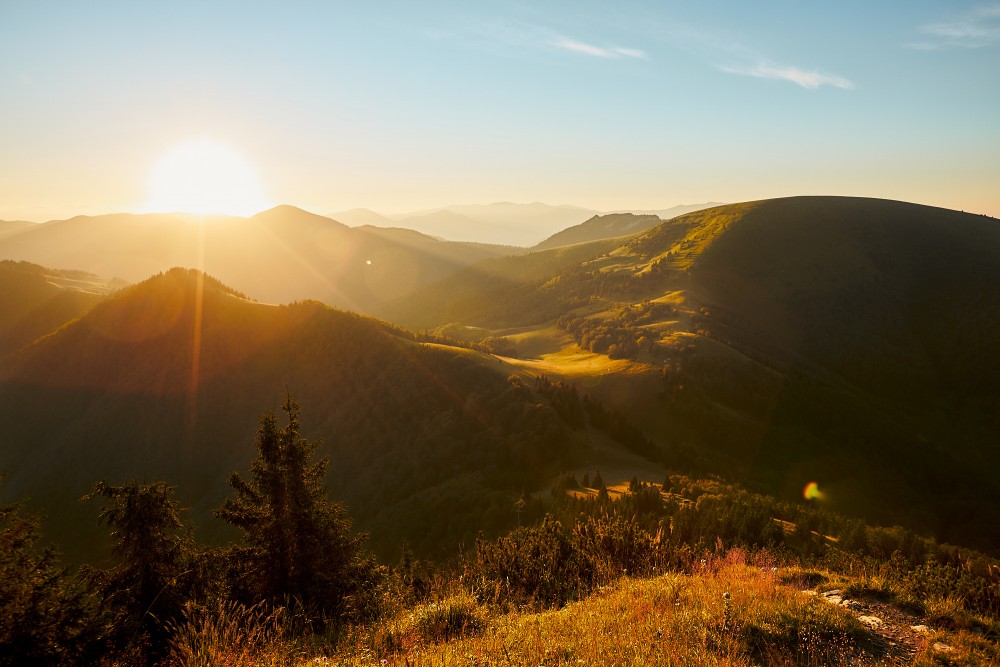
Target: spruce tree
(145, 591)
(45, 618)
(296, 543)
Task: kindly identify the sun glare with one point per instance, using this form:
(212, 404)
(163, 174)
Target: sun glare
(205, 177)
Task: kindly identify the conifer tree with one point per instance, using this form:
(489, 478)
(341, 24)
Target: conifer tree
(45, 620)
(296, 543)
(143, 593)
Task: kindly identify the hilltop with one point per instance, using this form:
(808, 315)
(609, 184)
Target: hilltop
(601, 227)
(616, 223)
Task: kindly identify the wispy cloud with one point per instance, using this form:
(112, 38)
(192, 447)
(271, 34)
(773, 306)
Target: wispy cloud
(795, 75)
(977, 28)
(597, 51)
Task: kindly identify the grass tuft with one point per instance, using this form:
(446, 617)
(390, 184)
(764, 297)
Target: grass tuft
(230, 633)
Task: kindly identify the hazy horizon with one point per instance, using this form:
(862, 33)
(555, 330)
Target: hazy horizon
(396, 107)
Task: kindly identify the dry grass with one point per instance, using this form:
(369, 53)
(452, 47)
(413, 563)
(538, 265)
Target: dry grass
(726, 612)
(231, 634)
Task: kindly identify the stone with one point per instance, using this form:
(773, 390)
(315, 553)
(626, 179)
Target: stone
(873, 622)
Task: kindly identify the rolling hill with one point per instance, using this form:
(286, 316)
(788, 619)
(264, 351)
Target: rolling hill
(35, 301)
(600, 227)
(166, 380)
(306, 256)
(848, 341)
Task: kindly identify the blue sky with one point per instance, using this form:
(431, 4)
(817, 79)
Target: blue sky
(404, 105)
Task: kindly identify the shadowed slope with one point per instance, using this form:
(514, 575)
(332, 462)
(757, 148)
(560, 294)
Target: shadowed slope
(167, 379)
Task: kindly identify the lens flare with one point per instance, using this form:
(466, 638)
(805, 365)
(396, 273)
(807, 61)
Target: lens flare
(812, 492)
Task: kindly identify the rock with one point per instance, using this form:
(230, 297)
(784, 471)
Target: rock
(920, 629)
(853, 605)
(873, 622)
(833, 597)
(941, 647)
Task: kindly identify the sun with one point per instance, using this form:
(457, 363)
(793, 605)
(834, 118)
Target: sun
(205, 177)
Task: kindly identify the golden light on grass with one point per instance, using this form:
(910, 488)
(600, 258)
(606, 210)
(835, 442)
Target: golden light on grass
(205, 177)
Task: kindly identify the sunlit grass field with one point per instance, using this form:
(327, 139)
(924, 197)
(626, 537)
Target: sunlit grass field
(729, 610)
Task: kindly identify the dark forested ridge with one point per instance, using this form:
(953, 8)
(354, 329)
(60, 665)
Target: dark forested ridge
(163, 381)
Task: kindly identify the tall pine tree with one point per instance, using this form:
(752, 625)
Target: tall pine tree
(296, 543)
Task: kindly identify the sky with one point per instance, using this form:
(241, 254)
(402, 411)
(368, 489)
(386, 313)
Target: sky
(399, 106)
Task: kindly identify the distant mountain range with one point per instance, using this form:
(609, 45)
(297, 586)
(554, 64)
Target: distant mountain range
(499, 223)
(10, 227)
(306, 256)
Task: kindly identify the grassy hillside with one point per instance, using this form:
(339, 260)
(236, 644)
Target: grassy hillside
(690, 573)
(35, 301)
(849, 341)
(167, 379)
